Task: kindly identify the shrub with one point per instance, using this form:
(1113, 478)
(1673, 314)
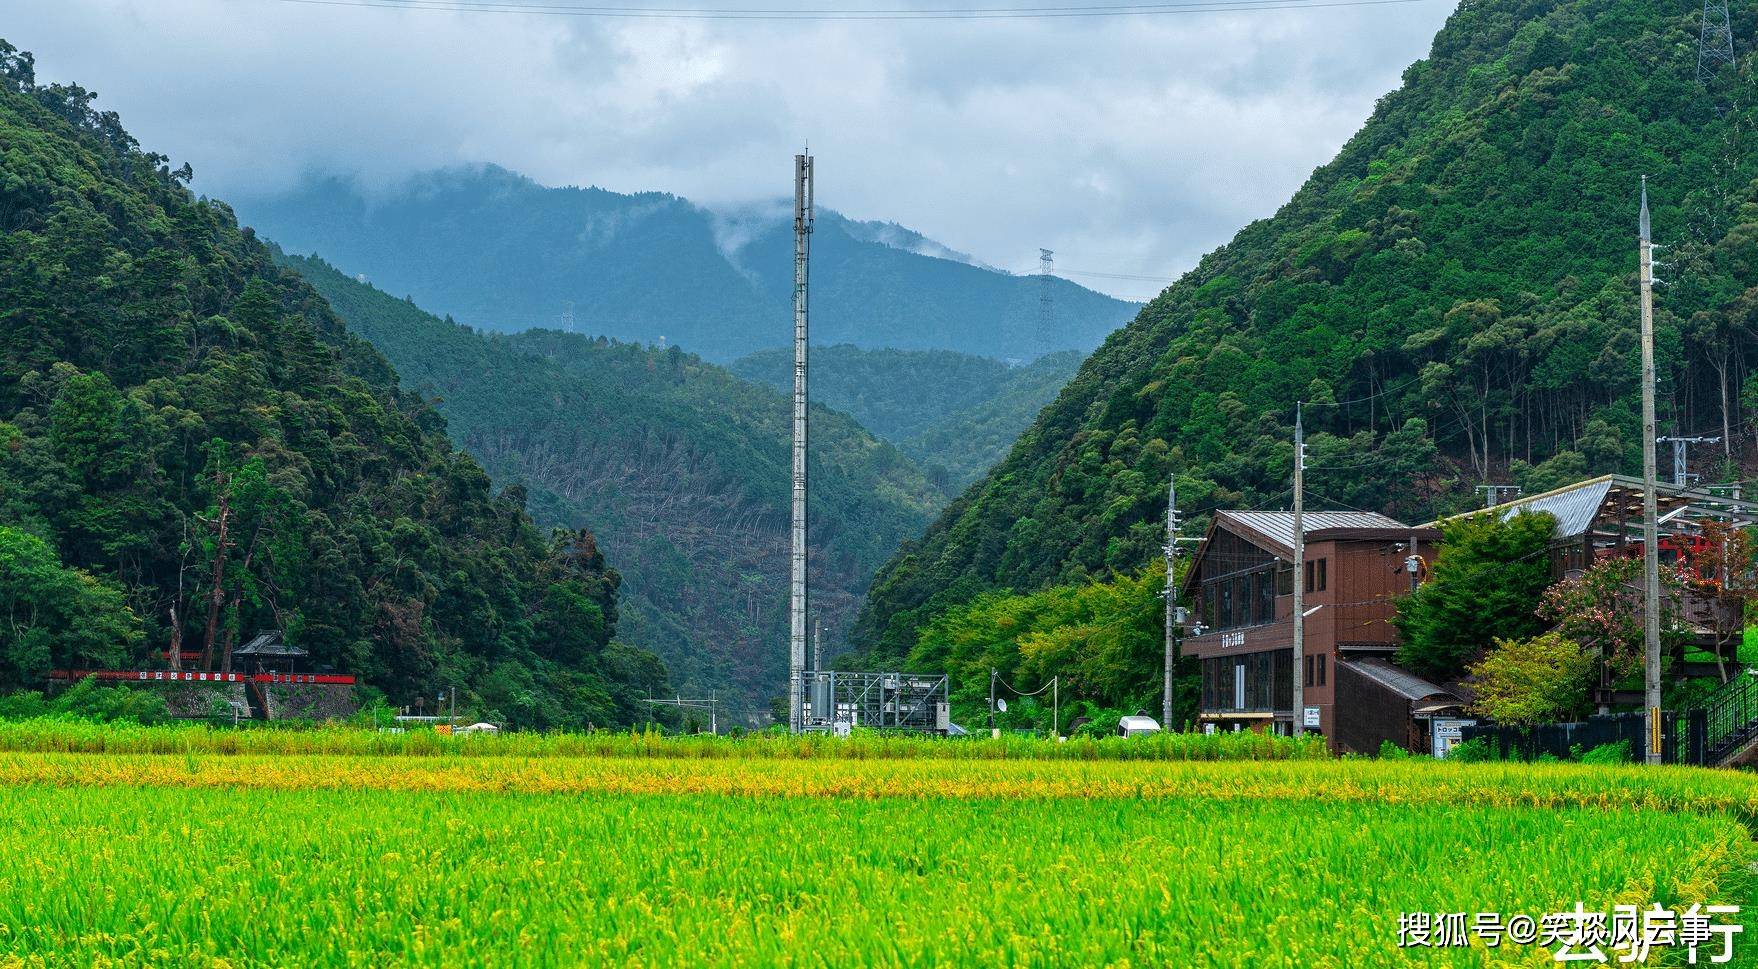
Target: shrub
(1612, 753)
(1539, 680)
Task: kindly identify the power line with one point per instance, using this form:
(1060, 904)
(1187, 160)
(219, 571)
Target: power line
(892, 14)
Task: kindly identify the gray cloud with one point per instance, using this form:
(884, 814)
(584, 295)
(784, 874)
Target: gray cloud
(1130, 145)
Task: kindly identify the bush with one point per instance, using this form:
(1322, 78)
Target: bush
(1544, 679)
(88, 701)
(1473, 751)
(1391, 751)
(1612, 753)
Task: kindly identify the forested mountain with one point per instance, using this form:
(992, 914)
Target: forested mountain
(681, 468)
(1454, 296)
(954, 413)
(500, 251)
(194, 448)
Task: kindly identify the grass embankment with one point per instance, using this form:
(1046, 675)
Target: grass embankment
(769, 850)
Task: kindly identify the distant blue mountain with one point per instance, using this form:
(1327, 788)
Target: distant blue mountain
(500, 251)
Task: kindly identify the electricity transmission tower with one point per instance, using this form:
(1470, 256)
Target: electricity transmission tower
(568, 318)
(1046, 301)
(1715, 48)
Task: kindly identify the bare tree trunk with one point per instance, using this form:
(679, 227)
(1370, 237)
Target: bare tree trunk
(217, 594)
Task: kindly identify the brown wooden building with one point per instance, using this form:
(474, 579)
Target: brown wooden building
(1241, 583)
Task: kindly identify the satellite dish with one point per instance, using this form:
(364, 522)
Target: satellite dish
(1001, 705)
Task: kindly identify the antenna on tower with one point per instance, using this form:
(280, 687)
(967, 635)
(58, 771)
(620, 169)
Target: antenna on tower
(1715, 48)
(1046, 301)
(796, 710)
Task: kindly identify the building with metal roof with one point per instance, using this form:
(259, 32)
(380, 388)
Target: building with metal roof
(1241, 582)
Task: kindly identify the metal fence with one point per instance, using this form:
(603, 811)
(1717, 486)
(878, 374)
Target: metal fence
(1684, 737)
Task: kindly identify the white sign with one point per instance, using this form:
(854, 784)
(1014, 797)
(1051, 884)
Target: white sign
(1446, 733)
(1233, 639)
(1312, 716)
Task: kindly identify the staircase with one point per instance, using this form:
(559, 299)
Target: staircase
(1724, 729)
(256, 694)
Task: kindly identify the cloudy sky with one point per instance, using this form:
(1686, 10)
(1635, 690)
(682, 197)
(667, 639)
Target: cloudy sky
(1130, 145)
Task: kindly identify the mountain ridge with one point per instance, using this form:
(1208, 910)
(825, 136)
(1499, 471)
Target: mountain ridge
(1452, 296)
(504, 252)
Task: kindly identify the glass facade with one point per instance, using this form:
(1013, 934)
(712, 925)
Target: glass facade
(1261, 682)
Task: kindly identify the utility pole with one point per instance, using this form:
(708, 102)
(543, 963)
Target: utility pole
(1299, 725)
(1650, 527)
(1681, 468)
(1492, 493)
(1046, 301)
(797, 590)
(1171, 598)
(994, 675)
(1715, 46)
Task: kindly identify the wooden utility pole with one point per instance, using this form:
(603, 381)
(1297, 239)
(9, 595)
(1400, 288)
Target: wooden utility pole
(1171, 599)
(1299, 725)
(1650, 526)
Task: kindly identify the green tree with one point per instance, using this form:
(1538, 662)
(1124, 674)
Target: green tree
(1484, 585)
(1545, 679)
(53, 616)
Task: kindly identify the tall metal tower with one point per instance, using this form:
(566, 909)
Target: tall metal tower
(1046, 301)
(568, 318)
(1650, 524)
(797, 590)
(1715, 48)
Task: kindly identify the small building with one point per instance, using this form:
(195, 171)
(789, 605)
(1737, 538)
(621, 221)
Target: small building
(1241, 581)
(1601, 518)
(1384, 702)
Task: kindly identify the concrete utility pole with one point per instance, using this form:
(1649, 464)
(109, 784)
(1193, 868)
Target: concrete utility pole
(1171, 598)
(1299, 724)
(1650, 527)
(797, 596)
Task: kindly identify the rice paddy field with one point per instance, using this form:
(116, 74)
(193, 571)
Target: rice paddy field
(172, 846)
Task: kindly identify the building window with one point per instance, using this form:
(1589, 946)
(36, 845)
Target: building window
(1285, 580)
(1321, 669)
(1308, 673)
(1315, 575)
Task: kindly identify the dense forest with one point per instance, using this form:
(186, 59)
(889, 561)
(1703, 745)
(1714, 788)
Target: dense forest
(681, 469)
(954, 413)
(499, 251)
(1453, 297)
(193, 449)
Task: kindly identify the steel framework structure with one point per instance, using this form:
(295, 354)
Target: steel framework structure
(836, 702)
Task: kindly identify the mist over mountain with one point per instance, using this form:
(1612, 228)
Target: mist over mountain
(502, 252)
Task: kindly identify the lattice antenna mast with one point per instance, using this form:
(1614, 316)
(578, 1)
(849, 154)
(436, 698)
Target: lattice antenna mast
(1715, 48)
(797, 587)
(1650, 527)
(568, 318)
(1046, 301)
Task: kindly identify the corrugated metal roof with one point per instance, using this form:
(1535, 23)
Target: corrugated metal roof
(1574, 507)
(1400, 681)
(1278, 526)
